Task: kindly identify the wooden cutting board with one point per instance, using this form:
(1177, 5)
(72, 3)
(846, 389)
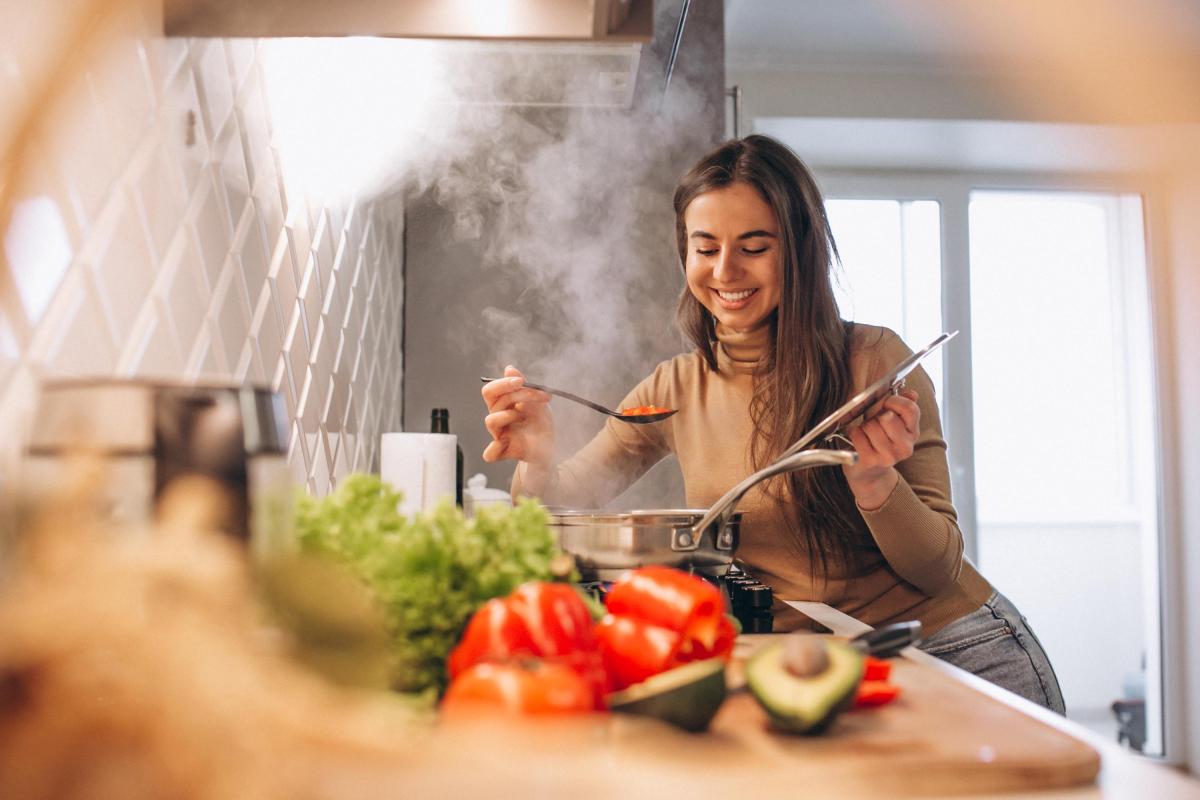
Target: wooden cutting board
(940, 737)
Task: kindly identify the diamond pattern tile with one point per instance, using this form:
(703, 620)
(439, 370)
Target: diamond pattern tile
(179, 252)
(125, 269)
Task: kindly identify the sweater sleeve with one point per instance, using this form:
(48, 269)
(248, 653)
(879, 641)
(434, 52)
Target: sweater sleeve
(916, 528)
(616, 457)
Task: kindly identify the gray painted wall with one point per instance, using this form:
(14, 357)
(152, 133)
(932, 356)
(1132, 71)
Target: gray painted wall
(549, 245)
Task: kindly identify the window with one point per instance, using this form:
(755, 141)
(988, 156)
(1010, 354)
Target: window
(891, 268)
(1050, 386)
(1064, 439)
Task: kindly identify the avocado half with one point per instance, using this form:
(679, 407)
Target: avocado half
(688, 697)
(809, 704)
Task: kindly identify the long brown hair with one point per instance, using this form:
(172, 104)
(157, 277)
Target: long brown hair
(806, 372)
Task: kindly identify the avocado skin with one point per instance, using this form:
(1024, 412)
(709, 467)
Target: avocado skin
(687, 697)
(829, 693)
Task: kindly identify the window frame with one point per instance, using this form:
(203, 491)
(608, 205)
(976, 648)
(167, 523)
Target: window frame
(952, 191)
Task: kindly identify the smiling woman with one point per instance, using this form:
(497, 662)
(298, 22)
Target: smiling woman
(772, 357)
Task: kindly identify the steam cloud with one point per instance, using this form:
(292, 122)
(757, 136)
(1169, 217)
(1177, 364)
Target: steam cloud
(571, 205)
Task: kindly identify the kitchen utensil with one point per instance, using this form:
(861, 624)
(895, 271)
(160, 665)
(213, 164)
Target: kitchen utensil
(832, 426)
(636, 419)
(889, 640)
(150, 434)
(607, 543)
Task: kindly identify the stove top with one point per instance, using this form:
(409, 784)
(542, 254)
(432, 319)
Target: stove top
(746, 598)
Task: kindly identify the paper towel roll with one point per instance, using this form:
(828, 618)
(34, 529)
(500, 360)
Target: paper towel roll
(421, 465)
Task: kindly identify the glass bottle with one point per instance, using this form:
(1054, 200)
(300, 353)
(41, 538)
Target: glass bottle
(440, 423)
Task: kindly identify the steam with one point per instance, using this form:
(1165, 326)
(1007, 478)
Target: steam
(570, 204)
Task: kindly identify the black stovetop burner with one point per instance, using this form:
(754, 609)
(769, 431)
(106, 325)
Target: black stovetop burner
(746, 598)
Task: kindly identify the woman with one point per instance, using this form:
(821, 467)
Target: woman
(879, 539)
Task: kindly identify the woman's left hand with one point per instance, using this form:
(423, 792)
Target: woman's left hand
(883, 441)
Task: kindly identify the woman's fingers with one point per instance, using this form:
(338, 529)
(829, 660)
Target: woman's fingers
(497, 423)
(506, 392)
(510, 398)
(493, 391)
(495, 450)
(904, 405)
(899, 437)
(882, 440)
(876, 436)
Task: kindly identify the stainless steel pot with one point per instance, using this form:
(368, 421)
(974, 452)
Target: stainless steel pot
(607, 543)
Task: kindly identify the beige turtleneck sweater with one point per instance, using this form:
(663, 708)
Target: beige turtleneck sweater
(913, 565)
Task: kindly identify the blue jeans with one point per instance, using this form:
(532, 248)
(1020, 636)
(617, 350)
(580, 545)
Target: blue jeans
(996, 643)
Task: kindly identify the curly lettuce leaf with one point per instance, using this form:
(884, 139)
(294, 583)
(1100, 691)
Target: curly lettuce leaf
(430, 572)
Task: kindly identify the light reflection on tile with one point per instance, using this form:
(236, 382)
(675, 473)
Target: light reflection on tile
(38, 253)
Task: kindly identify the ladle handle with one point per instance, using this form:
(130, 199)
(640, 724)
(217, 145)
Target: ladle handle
(723, 509)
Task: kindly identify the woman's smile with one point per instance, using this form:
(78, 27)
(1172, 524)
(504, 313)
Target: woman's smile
(734, 299)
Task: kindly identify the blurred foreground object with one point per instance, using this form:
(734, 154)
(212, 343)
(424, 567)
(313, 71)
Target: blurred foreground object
(139, 667)
(151, 433)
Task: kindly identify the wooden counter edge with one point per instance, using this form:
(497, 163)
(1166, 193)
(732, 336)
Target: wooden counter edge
(1122, 773)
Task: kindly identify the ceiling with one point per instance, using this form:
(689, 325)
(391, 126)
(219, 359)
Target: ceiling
(944, 34)
(1019, 85)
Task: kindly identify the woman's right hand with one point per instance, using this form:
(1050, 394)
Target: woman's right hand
(519, 421)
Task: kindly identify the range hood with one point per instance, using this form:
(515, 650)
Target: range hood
(579, 53)
(609, 21)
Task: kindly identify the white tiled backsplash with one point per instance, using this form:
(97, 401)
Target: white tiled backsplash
(154, 236)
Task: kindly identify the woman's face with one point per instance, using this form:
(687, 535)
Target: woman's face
(733, 259)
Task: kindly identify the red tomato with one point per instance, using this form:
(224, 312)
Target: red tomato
(633, 649)
(529, 686)
(875, 693)
(670, 599)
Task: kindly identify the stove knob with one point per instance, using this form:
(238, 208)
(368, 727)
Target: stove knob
(755, 596)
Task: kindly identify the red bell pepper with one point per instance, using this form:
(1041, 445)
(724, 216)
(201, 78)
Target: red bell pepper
(876, 669)
(722, 646)
(528, 686)
(633, 649)
(875, 693)
(561, 626)
(671, 599)
(495, 633)
(544, 620)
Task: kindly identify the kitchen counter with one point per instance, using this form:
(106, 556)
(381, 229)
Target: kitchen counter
(1123, 774)
(937, 740)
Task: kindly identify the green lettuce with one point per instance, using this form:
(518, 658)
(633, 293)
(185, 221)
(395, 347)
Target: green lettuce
(429, 573)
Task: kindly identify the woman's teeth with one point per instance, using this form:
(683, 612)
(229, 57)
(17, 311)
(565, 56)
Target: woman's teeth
(733, 297)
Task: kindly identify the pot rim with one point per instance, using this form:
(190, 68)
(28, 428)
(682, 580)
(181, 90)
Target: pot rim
(642, 516)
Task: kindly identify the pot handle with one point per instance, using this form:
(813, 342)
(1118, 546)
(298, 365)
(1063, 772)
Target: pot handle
(723, 509)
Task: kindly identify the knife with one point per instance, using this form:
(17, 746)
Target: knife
(889, 640)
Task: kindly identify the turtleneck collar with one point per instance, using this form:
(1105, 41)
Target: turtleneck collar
(741, 351)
